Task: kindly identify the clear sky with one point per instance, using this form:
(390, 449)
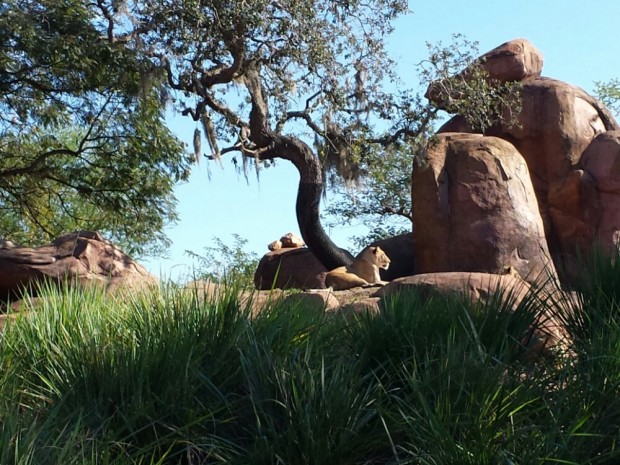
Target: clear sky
(580, 43)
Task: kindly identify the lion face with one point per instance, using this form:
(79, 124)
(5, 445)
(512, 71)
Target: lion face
(380, 258)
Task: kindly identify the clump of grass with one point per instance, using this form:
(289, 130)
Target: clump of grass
(175, 377)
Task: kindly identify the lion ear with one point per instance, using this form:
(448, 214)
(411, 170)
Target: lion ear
(374, 250)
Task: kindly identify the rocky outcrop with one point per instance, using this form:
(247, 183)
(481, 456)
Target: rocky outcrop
(298, 268)
(556, 123)
(561, 132)
(474, 209)
(288, 241)
(514, 60)
(82, 258)
(601, 160)
(545, 335)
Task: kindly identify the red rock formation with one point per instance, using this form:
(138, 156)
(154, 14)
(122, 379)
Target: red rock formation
(82, 258)
(570, 143)
(475, 209)
(290, 268)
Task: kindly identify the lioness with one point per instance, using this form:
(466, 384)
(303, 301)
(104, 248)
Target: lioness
(363, 271)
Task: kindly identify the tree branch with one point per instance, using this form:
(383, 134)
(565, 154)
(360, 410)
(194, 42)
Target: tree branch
(108, 15)
(306, 117)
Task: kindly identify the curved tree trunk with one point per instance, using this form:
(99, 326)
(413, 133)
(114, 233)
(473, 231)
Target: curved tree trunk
(308, 201)
(274, 145)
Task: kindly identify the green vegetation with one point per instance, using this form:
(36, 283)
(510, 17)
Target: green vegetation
(177, 378)
(84, 86)
(609, 94)
(223, 263)
(83, 144)
(376, 192)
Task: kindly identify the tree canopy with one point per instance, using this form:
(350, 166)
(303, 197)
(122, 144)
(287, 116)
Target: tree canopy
(381, 198)
(266, 77)
(83, 143)
(83, 87)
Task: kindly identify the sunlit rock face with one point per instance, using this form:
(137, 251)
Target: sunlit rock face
(475, 209)
(569, 141)
(82, 258)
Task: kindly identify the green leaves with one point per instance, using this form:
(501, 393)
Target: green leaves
(609, 94)
(83, 144)
(223, 263)
(181, 376)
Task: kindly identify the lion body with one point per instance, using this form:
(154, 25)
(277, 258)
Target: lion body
(364, 270)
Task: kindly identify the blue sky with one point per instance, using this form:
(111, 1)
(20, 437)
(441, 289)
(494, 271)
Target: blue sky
(580, 44)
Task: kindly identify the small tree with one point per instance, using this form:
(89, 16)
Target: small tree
(226, 263)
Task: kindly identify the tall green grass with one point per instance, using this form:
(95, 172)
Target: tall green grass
(176, 377)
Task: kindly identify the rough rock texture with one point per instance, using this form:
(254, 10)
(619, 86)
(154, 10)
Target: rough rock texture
(319, 301)
(556, 127)
(545, 336)
(323, 300)
(575, 212)
(556, 123)
(275, 245)
(475, 209)
(83, 258)
(601, 160)
(290, 268)
(288, 241)
(514, 60)
(291, 240)
(475, 286)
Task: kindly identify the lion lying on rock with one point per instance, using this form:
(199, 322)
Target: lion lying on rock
(363, 271)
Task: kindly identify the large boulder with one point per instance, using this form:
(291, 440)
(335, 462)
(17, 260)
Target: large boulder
(83, 258)
(575, 211)
(298, 268)
(556, 123)
(584, 207)
(601, 160)
(474, 209)
(295, 268)
(474, 286)
(515, 60)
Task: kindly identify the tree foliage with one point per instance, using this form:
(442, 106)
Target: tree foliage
(302, 81)
(452, 80)
(264, 78)
(223, 263)
(82, 86)
(83, 144)
(609, 94)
